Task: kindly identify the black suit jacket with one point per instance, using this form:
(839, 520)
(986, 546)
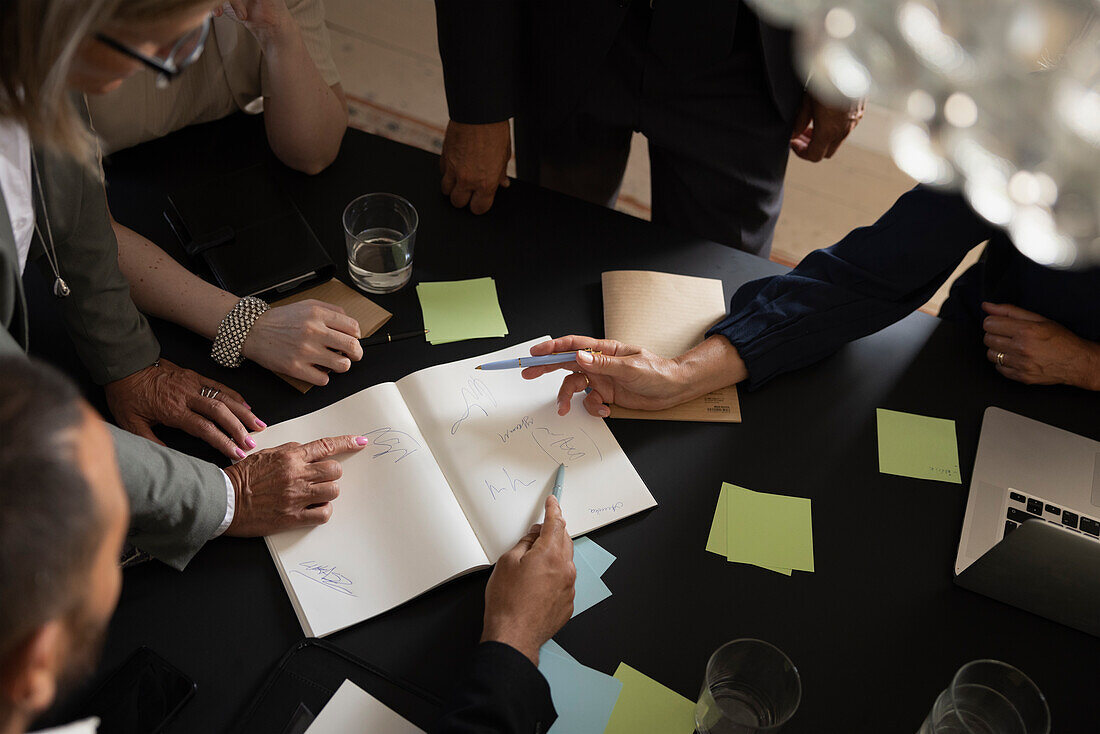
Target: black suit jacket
(502, 693)
(505, 57)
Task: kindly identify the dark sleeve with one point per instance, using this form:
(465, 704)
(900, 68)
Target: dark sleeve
(873, 277)
(479, 46)
(502, 693)
(111, 336)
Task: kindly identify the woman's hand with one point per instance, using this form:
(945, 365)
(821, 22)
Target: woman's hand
(1033, 350)
(304, 340)
(621, 374)
(173, 396)
(263, 18)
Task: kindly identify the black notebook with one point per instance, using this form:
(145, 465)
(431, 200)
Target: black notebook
(250, 234)
(308, 676)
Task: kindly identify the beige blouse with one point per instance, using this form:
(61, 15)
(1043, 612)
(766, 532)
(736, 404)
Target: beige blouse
(229, 76)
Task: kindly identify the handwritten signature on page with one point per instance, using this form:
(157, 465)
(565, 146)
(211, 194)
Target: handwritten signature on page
(564, 447)
(475, 394)
(326, 575)
(392, 442)
(510, 483)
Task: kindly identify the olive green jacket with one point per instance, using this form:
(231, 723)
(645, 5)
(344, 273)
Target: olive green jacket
(177, 502)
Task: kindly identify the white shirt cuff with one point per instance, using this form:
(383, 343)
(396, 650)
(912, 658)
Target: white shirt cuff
(230, 506)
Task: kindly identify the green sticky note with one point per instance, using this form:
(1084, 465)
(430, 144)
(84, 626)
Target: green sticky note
(716, 541)
(917, 446)
(461, 309)
(769, 530)
(647, 707)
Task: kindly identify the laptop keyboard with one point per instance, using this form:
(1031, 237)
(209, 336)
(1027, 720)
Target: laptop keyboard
(1020, 507)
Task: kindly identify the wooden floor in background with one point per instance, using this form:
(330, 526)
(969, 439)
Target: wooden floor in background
(388, 58)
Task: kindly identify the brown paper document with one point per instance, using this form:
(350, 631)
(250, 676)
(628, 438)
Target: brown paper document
(369, 314)
(667, 314)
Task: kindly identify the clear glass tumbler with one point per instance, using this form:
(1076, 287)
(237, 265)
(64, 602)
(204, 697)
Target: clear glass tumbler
(989, 697)
(750, 687)
(380, 230)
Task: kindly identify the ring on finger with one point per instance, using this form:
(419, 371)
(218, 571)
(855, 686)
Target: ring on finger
(209, 392)
(1001, 358)
(587, 382)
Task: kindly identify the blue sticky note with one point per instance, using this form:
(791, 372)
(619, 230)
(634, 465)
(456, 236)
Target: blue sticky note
(599, 559)
(553, 648)
(583, 697)
(590, 589)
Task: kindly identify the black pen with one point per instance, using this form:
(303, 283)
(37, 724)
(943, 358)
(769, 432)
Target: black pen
(373, 340)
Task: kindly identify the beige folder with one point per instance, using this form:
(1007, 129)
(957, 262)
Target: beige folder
(369, 314)
(667, 314)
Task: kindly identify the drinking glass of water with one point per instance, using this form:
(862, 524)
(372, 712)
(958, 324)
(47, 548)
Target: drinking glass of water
(988, 696)
(750, 687)
(380, 230)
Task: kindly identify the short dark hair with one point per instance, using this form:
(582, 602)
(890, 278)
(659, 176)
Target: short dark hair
(50, 524)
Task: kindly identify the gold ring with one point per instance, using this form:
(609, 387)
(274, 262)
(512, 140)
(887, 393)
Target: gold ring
(1001, 358)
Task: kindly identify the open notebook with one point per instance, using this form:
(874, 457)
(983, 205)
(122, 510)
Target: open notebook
(458, 468)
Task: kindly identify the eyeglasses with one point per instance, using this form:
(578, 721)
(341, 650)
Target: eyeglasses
(184, 53)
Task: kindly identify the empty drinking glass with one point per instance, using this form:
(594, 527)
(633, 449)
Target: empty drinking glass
(989, 697)
(750, 687)
(380, 230)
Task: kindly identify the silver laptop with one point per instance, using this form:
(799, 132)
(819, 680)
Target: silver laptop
(1029, 472)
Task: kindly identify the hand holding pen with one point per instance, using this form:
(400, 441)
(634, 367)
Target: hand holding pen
(633, 377)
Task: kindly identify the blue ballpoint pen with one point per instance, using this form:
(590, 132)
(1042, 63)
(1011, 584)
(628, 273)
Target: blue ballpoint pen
(559, 482)
(521, 362)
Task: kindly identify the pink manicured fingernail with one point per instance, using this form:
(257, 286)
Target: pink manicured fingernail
(260, 423)
(561, 408)
(240, 454)
(362, 440)
(251, 444)
(604, 412)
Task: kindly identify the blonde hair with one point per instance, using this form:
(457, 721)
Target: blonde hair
(38, 41)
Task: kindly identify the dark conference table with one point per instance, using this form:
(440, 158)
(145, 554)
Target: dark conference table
(876, 633)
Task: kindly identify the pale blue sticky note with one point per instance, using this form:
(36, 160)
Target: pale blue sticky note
(599, 559)
(590, 588)
(554, 648)
(583, 697)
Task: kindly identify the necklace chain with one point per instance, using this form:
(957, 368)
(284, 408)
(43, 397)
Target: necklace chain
(60, 287)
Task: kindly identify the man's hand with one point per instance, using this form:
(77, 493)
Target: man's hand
(819, 128)
(304, 340)
(289, 486)
(529, 597)
(172, 396)
(1037, 351)
(637, 378)
(474, 162)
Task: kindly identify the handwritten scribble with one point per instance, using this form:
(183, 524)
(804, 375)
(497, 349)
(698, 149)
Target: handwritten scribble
(522, 425)
(475, 394)
(387, 441)
(510, 484)
(564, 448)
(327, 576)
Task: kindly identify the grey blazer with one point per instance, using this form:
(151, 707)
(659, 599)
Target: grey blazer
(176, 501)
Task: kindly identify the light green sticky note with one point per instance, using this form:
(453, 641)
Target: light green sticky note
(461, 309)
(769, 530)
(647, 707)
(917, 446)
(716, 542)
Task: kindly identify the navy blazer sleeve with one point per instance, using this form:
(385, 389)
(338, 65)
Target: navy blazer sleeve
(873, 277)
(502, 693)
(479, 47)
